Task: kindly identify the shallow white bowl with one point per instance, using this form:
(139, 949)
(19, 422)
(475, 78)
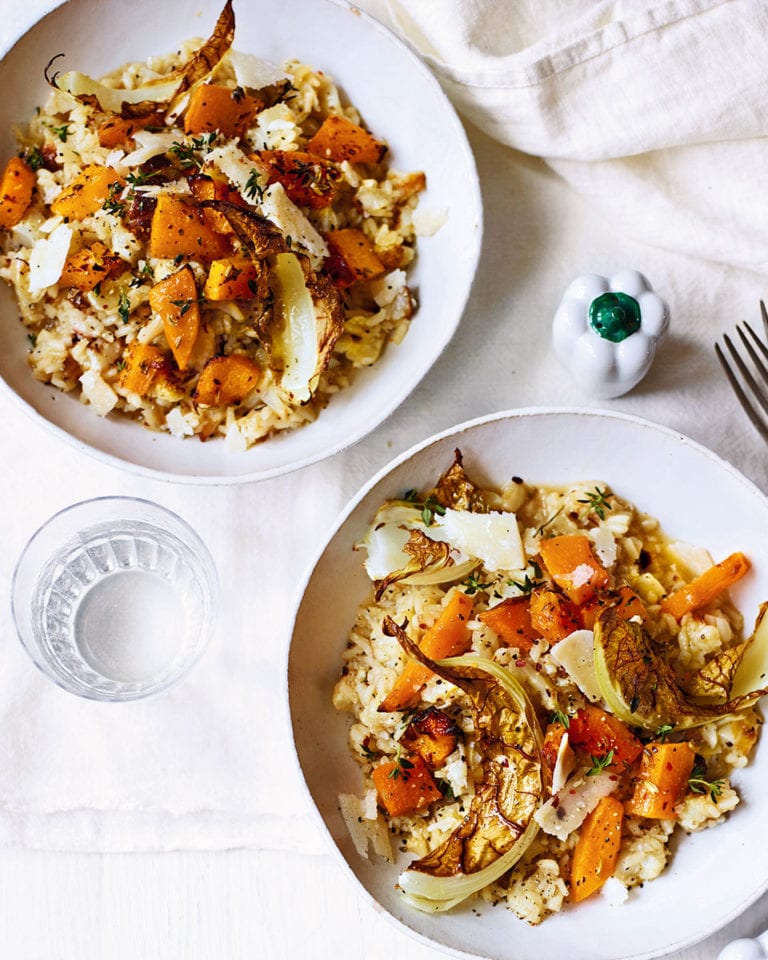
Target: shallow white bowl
(398, 98)
(714, 875)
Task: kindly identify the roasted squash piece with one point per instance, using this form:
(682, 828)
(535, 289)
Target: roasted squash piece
(116, 130)
(235, 278)
(16, 186)
(573, 566)
(598, 734)
(179, 229)
(308, 180)
(227, 380)
(213, 107)
(663, 780)
(553, 615)
(205, 187)
(432, 735)
(90, 266)
(405, 785)
(86, 193)
(175, 301)
(510, 620)
(339, 139)
(597, 849)
(707, 586)
(143, 362)
(353, 257)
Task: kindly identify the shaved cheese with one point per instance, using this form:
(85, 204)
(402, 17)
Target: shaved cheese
(564, 765)
(575, 654)
(149, 145)
(253, 72)
(284, 213)
(494, 538)
(570, 807)
(46, 261)
(605, 545)
(365, 826)
(238, 168)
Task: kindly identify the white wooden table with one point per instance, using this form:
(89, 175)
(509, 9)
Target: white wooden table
(268, 903)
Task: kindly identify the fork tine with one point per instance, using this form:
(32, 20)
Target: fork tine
(764, 312)
(758, 343)
(745, 371)
(757, 423)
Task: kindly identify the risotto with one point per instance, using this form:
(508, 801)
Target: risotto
(540, 689)
(206, 243)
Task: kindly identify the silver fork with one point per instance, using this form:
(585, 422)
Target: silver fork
(758, 392)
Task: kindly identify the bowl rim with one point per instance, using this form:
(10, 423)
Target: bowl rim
(597, 413)
(401, 390)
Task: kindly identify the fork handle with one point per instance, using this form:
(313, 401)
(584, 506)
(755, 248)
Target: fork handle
(746, 948)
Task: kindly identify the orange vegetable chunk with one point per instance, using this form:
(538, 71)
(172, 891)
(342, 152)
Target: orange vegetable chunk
(231, 279)
(143, 361)
(553, 615)
(174, 300)
(213, 107)
(597, 849)
(597, 733)
(433, 735)
(353, 257)
(573, 566)
(510, 620)
(179, 229)
(339, 139)
(553, 736)
(406, 786)
(448, 636)
(117, 130)
(86, 193)
(663, 780)
(206, 187)
(16, 186)
(227, 380)
(308, 180)
(706, 587)
(90, 266)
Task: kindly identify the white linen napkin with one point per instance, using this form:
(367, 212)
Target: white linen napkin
(206, 764)
(656, 111)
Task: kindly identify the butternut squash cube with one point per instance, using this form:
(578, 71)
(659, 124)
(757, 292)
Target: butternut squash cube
(87, 268)
(226, 380)
(86, 193)
(16, 186)
(179, 229)
(174, 300)
(213, 107)
(339, 139)
(143, 361)
(232, 279)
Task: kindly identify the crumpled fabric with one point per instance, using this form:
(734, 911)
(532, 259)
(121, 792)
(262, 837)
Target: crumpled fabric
(656, 111)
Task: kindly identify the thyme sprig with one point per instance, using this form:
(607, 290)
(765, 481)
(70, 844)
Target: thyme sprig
(430, 507)
(698, 783)
(600, 763)
(597, 502)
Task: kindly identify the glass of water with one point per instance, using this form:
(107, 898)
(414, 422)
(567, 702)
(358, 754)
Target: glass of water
(115, 598)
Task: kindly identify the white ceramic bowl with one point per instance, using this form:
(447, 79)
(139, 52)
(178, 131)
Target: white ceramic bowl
(714, 875)
(399, 99)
